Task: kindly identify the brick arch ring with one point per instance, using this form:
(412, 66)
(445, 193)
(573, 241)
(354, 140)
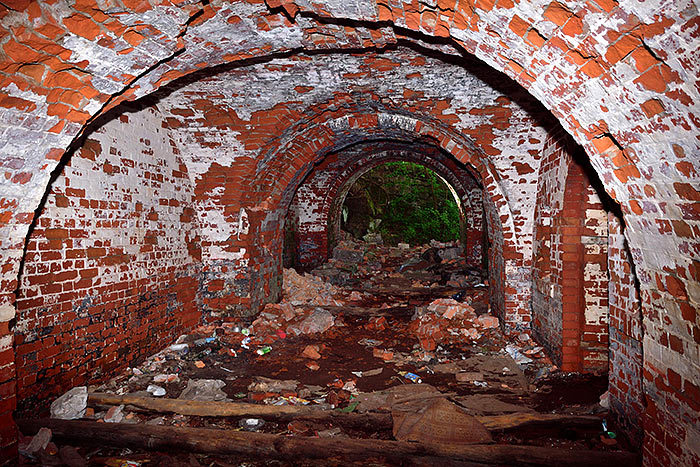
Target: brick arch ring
(351, 172)
(329, 184)
(285, 166)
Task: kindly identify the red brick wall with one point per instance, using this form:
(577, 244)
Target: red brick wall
(475, 241)
(496, 262)
(569, 226)
(111, 272)
(547, 249)
(8, 401)
(595, 319)
(626, 333)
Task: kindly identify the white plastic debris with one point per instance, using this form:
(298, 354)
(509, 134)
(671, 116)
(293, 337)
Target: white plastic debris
(179, 348)
(71, 405)
(516, 355)
(155, 391)
(39, 441)
(251, 424)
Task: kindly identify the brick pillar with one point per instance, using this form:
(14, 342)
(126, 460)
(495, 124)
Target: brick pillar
(571, 227)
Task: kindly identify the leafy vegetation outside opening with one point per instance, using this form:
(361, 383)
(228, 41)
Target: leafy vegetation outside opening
(403, 202)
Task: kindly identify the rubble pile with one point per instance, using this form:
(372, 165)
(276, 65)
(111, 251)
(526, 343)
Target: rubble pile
(415, 327)
(446, 321)
(308, 289)
(277, 321)
(368, 266)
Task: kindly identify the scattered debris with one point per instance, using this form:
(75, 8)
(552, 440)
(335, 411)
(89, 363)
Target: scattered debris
(251, 424)
(38, 443)
(469, 376)
(385, 355)
(115, 414)
(268, 385)
(330, 433)
(516, 355)
(71, 405)
(437, 422)
(163, 378)
(487, 321)
(414, 378)
(354, 349)
(182, 349)
(156, 391)
(317, 322)
(308, 289)
(311, 351)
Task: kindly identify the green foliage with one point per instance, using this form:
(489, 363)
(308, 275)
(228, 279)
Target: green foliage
(413, 203)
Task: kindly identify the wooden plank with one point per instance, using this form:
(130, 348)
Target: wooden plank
(523, 419)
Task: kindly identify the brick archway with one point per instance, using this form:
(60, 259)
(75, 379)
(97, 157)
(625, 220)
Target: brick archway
(618, 77)
(471, 209)
(616, 152)
(358, 160)
(288, 164)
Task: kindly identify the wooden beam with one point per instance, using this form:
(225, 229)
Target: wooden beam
(264, 445)
(372, 420)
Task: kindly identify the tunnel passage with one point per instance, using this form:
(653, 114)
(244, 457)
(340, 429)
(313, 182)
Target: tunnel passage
(315, 211)
(230, 187)
(198, 201)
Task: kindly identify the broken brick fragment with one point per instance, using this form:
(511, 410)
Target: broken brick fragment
(385, 355)
(311, 351)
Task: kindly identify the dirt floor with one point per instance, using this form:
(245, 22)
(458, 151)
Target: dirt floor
(372, 326)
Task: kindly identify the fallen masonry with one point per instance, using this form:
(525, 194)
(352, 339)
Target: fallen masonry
(393, 366)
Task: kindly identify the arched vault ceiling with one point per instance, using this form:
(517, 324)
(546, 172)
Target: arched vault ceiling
(220, 117)
(622, 78)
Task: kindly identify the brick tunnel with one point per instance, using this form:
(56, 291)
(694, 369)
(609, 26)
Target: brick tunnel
(153, 151)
